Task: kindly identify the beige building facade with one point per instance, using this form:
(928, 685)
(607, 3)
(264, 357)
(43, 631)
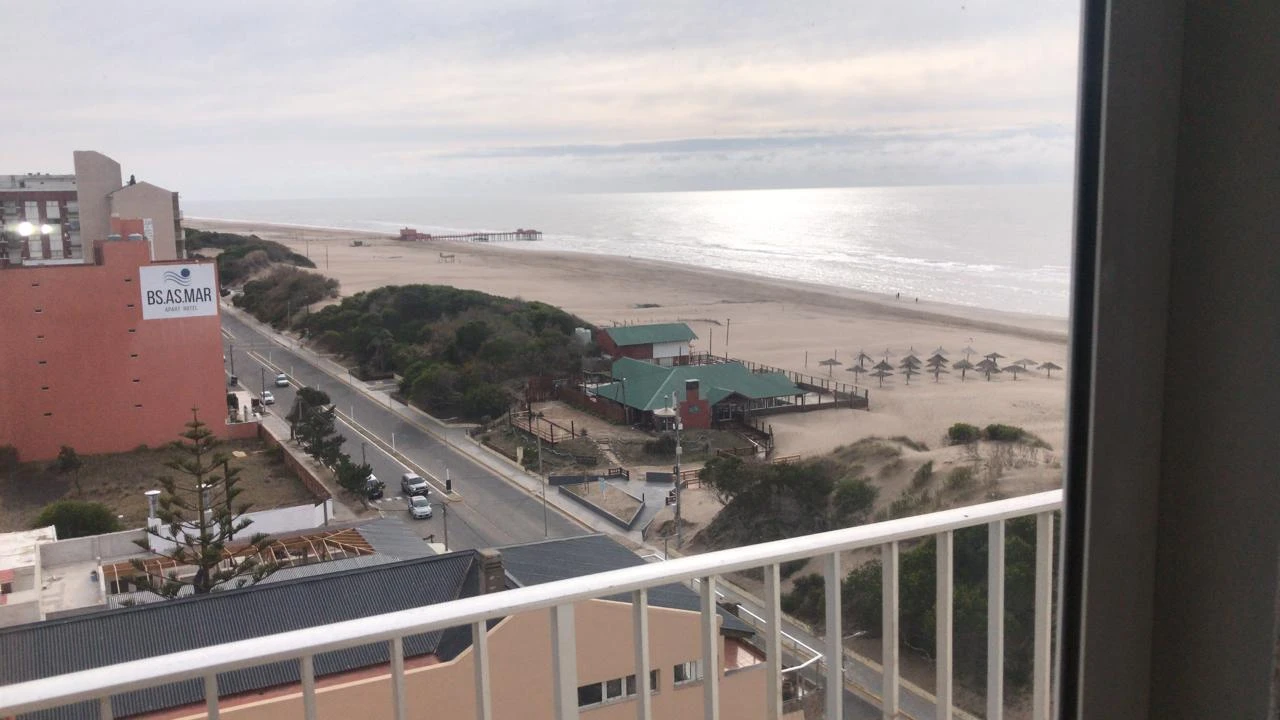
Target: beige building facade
(520, 675)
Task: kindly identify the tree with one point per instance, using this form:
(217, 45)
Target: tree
(313, 421)
(68, 462)
(76, 518)
(352, 477)
(199, 519)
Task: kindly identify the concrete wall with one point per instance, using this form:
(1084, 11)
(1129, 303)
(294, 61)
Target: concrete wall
(272, 522)
(96, 177)
(149, 202)
(82, 368)
(520, 675)
(108, 545)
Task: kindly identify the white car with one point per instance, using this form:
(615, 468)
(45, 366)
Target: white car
(282, 380)
(419, 507)
(268, 398)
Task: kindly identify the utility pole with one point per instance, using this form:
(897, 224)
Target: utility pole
(543, 478)
(263, 372)
(679, 532)
(363, 460)
(444, 509)
(231, 353)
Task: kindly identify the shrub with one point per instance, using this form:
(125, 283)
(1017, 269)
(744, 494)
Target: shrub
(913, 444)
(961, 478)
(76, 518)
(853, 499)
(663, 445)
(1002, 433)
(963, 434)
(924, 474)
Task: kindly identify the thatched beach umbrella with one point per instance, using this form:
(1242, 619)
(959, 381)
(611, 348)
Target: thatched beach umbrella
(1048, 368)
(968, 351)
(988, 366)
(963, 366)
(994, 356)
(856, 369)
(884, 365)
(938, 370)
(830, 363)
(909, 371)
(940, 351)
(882, 374)
(936, 359)
(1024, 362)
(910, 360)
(1015, 369)
(862, 358)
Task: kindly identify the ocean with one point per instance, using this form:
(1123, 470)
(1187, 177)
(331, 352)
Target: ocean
(1005, 247)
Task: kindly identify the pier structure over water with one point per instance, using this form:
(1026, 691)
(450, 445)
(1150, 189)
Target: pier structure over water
(520, 234)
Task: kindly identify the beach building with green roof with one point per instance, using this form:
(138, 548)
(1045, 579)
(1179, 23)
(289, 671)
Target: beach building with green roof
(703, 393)
(661, 343)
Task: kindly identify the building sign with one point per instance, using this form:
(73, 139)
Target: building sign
(177, 291)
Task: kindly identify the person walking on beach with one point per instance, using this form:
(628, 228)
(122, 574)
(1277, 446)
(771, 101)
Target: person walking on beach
(897, 296)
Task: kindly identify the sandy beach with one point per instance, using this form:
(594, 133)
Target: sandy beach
(784, 324)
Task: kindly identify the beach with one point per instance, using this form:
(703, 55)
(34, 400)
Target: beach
(791, 325)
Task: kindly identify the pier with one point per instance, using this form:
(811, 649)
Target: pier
(519, 234)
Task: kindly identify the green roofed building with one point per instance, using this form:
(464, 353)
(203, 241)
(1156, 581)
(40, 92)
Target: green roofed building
(663, 343)
(703, 393)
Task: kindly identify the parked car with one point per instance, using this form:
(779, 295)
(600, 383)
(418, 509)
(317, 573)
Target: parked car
(282, 380)
(419, 507)
(413, 484)
(268, 398)
(373, 487)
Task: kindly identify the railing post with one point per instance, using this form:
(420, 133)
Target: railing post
(308, 671)
(995, 620)
(710, 651)
(564, 662)
(835, 641)
(773, 642)
(1040, 665)
(397, 678)
(480, 645)
(640, 628)
(889, 630)
(942, 611)
(211, 695)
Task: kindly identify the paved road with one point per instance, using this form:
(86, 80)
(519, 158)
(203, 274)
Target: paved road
(484, 511)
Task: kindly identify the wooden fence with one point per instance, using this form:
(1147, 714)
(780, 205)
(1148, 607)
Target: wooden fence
(549, 430)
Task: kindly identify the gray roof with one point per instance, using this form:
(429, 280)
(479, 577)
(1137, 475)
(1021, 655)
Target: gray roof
(389, 536)
(103, 638)
(560, 559)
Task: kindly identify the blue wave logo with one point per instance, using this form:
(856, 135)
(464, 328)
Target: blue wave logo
(182, 277)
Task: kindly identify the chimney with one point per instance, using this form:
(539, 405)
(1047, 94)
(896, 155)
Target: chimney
(691, 391)
(492, 578)
(153, 498)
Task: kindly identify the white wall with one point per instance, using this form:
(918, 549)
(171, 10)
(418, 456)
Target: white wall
(670, 349)
(272, 522)
(108, 545)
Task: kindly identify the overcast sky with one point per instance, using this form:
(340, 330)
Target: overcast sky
(233, 100)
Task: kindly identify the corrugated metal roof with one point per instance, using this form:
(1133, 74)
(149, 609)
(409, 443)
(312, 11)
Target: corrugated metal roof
(103, 638)
(560, 559)
(647, 385)
(645, 334)
(391, 537)
(142, 597)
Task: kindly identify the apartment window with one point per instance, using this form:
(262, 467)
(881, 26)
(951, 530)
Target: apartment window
(137, 379)
(48, 414)
(42, 362)
(653, 683)
(6, 588)
(35, 283)
(133, 330)
(44, 387)
(129, 305)
(133, 355)
(686, 672)
(51, 210)
(39, 310)
(592, 694)
(138, 405)
(39, 337)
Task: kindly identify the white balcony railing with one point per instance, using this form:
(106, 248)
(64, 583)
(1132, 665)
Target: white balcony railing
(558, 597)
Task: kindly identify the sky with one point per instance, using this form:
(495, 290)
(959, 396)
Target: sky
(234, 100)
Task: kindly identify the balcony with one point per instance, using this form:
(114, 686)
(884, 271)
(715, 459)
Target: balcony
(398, 689)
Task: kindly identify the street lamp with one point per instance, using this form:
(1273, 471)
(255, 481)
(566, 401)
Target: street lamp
(673, 414)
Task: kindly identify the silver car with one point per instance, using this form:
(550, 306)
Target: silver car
(419, 507)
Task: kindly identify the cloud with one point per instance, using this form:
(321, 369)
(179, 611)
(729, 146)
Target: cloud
(320, 97)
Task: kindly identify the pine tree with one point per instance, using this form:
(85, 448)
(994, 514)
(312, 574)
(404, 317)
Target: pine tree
(199, 520)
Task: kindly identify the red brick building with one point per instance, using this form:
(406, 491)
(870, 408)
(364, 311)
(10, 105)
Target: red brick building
(110, 355)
